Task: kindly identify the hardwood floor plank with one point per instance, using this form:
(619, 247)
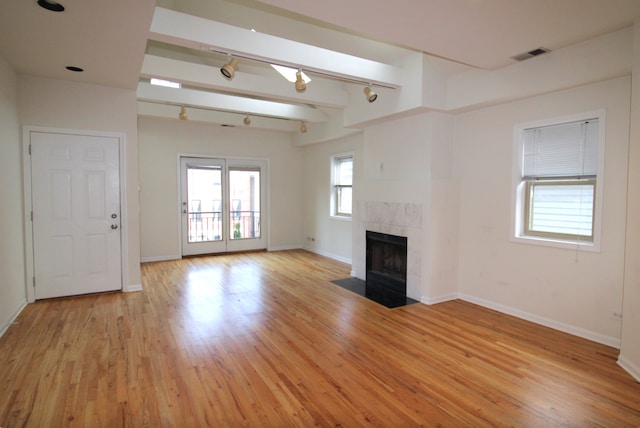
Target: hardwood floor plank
(265, 340)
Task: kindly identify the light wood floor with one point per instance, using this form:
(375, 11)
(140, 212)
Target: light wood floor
(265, 340)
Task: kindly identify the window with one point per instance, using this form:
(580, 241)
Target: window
(342, 178)
(558, 181)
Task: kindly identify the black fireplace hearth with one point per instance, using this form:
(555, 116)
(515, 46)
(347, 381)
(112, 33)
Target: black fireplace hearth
(386, 271)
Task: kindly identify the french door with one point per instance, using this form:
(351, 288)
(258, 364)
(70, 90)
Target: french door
(221, 205)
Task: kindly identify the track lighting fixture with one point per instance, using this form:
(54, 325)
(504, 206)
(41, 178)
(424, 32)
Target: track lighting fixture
(229, 69)
(303, 127)
(300, 84)
(183, 113)
(371, 96)
(247, 120)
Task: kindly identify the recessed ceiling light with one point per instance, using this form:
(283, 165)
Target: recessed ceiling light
(75, 69)
(290, 73)
(51, 5)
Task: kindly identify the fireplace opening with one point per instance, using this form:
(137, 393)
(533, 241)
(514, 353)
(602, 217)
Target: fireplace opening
(386, 267)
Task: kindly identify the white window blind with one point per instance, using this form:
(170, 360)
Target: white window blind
(561, 209)
(568, 150)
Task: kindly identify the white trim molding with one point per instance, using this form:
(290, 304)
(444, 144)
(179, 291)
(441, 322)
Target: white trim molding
(330, 255)
(159, 258)
(629, 367)
(130, 288)
(438, 299)
(547, 322)
(12, 318)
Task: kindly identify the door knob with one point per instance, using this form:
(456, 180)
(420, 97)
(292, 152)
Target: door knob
(114, 226)
(114, 215)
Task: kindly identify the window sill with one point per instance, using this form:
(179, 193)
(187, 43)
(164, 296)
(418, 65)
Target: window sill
(588, 246)
(340, 217)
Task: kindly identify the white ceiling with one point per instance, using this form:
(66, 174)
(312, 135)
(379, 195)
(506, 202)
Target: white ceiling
(481, 33)
(109, 41)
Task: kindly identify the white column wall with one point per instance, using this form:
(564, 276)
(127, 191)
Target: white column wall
(630, 349)
(12, 281)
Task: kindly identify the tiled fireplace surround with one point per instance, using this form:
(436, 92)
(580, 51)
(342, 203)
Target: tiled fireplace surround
(401, 219)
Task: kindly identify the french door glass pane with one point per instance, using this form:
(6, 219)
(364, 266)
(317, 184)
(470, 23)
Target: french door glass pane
(204, 210)
(244, 203)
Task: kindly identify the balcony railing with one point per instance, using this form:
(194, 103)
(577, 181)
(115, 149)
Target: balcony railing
(206, 226)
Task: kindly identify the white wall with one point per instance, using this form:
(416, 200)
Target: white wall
(567, 289)
(333, 237)
(12, 281)
(630, 349)
(68, 105)
(442, 280)
(160, 142)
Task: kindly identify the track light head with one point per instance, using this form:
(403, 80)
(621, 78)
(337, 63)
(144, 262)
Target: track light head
(183, 113)
(300, 84)
(229, 69)
(247, 120)
(303, 127)
(371, 96)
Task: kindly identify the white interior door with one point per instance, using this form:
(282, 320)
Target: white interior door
(222, 205)
(75, 191)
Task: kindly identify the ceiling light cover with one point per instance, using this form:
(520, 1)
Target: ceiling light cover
(300, 85)
(183, 113)
(371, 96)
(229, 69)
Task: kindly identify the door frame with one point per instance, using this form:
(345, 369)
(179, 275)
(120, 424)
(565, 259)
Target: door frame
(28, 206)
(266, 204)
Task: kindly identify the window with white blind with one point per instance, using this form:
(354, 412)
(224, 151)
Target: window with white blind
(342, 180)
(558, 181)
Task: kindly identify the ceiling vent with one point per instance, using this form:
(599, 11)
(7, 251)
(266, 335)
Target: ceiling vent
(530, 54)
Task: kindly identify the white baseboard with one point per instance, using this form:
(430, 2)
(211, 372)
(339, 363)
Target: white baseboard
(438, 299)
(159, 259)
(13, 317)
(629, 367)
(330, 255)
(547, 322)
(284, 248)
(132, 288)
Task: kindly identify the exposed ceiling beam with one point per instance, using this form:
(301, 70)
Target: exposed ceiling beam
(197, 33)
(320, 92)
(230, 103)
(219, 117)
